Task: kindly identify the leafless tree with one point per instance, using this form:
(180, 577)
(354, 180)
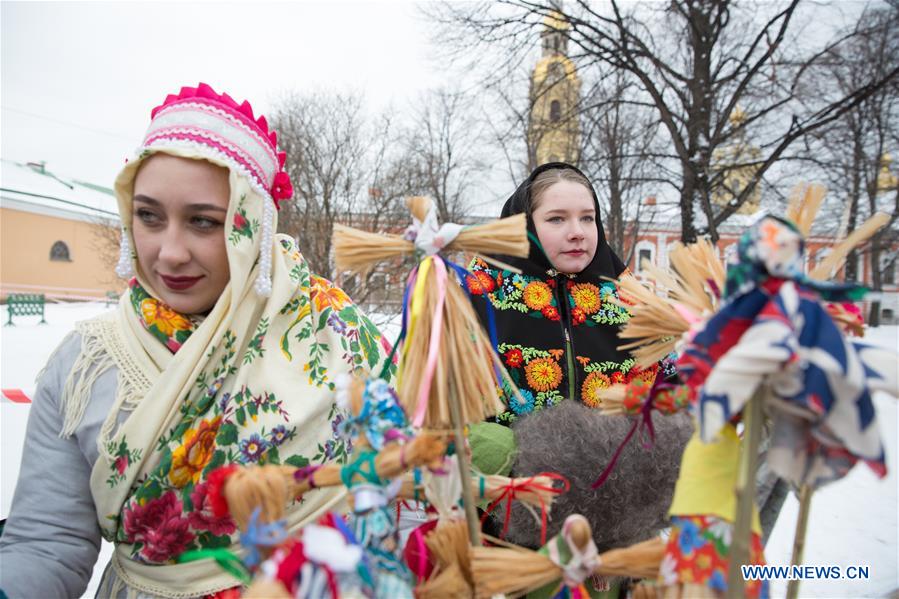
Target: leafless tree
(849, 152)
(323, 136)
(620, 156)
(443, 146)
(695, 61)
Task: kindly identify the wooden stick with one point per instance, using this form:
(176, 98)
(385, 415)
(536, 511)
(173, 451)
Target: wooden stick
(745, 491)
(471, 514)
(805, 503)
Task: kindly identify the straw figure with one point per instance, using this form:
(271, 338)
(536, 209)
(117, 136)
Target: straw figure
(437, 551)
(571, 557)
(449, 372)
(439, 321)
(256, 497)
(770, 349)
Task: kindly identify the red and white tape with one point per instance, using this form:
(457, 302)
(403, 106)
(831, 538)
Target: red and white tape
(15, 396)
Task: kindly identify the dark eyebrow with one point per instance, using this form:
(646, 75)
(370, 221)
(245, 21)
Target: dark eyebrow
(195, 207)
(560, 211)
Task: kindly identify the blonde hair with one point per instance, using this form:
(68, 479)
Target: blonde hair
(550, 177)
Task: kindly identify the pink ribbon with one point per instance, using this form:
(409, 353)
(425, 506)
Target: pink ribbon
(424, 388)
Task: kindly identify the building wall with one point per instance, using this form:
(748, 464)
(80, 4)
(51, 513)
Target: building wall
(25, 265)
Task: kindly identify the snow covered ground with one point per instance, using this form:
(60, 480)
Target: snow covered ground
(854, 522)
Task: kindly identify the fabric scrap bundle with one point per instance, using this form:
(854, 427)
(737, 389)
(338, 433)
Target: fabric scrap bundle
(774, 329)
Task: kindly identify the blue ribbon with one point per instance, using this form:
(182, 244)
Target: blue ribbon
(491, 317)
(402, 335)
(261, 535)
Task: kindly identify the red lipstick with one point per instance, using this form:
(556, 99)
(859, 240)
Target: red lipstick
(179, 283)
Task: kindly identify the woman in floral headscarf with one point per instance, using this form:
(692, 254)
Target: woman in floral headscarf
(223, 350)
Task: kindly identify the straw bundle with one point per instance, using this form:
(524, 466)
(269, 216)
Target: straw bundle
(834, 261)
(447, 546)
(263, 487)
(506, 236)
(466, 356)
(534, 490)
(264, 587)
(535, 494)
(391, 462)
(611, 400)
(271, 488)
(513, 571)
(358, 251)
(656, 325)
(805, 201)
(449, 583)
(498, 570)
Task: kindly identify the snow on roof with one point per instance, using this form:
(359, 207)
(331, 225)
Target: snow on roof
(33, 188)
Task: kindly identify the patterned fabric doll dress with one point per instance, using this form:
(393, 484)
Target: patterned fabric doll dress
(373, 525)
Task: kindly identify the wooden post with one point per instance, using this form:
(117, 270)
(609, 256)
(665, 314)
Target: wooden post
(471, 514)
(745, 491)
(805, 503)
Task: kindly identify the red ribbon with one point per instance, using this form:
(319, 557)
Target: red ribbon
(513, 488)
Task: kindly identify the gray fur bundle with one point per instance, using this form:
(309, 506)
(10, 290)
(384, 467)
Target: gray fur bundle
(578, 443)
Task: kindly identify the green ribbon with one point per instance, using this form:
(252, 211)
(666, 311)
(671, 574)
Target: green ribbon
(229, 562)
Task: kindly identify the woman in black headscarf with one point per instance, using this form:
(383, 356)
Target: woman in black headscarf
(556, 323)
(557, 333)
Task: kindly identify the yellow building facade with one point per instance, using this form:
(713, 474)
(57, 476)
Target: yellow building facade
(554, 128)
(55, 235)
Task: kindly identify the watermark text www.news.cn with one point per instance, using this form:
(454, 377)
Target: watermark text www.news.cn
(806, 572)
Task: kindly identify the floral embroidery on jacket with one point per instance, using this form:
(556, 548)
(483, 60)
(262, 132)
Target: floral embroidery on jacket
(588, 304)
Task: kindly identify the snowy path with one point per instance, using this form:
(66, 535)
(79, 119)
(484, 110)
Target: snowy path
(853, 522)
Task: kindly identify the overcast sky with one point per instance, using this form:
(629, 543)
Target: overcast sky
(79, 79)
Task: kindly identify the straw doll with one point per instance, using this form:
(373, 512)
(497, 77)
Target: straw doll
(449, 372)
(570, 558)
(383, 450)
(770, 347)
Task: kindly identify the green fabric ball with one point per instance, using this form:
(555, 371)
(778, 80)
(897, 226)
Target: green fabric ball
(493, 448)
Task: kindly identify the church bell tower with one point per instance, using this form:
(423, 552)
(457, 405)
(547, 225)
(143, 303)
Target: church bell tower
(554, 127)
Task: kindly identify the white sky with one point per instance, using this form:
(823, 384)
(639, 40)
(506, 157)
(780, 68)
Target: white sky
(78, 79)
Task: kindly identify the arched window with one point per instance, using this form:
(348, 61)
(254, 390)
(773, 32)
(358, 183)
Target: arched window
(60, 252)
(555, 111)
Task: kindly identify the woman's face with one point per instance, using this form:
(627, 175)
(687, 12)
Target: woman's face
(565, 219)
(179, 235)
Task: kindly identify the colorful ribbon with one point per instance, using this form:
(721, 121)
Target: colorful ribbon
(513, 488)
(424, 389)
(229, 562)
(259, 535)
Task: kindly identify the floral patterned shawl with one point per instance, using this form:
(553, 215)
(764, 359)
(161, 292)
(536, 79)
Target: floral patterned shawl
(250, 383)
